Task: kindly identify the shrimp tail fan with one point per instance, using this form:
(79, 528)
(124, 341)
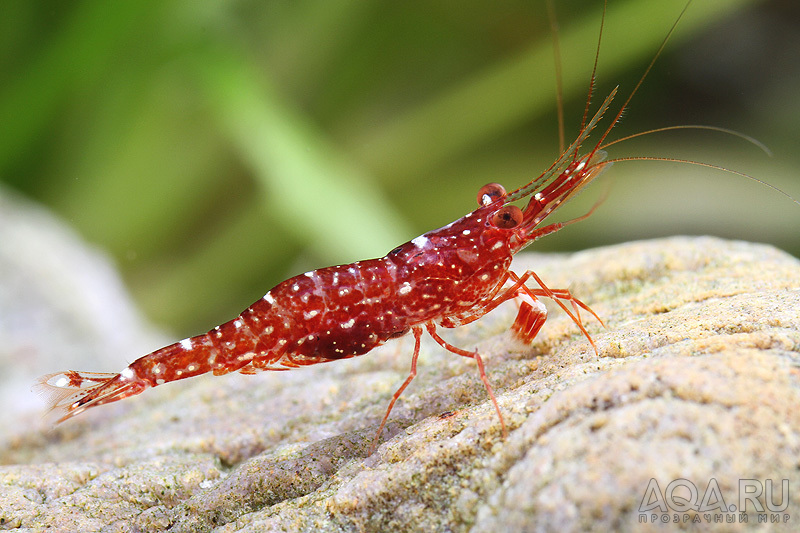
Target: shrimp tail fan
(70, 393)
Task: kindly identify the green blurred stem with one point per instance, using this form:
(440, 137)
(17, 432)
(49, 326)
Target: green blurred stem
(297, 166)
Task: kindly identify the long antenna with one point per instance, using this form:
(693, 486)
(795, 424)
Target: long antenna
(644, 75)
(593, 78)
(706, 165)
(755, 142)
(551, 14)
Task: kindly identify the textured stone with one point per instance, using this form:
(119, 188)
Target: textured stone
(695, 377)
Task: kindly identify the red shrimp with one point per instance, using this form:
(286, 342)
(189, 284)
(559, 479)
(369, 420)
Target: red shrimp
(444, 278)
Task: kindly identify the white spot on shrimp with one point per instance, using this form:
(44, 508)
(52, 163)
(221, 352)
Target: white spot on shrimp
(349, 324)
(352, 270)
(186, 344)
(335, 278)
(420, 241)
(268, 330)
(237, 324)
(484, 277)
(310, 314)
(310, 337)
(127, 374)
(295, 287)
(405, 288)
(282, 342)
(191, 368)
(157, 369)
(269, 299)
(342, 292)
(466, 232)
(309, 274)
(498, 244)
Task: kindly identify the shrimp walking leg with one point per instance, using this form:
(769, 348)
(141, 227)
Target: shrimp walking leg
(472, 355)
(417, 331)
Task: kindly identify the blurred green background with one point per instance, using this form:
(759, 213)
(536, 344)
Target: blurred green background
(216, 148)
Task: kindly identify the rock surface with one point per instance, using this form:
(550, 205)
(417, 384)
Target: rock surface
(695, 378)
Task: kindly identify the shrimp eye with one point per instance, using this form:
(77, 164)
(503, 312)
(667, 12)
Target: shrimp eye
(509, 216)
(490, 193)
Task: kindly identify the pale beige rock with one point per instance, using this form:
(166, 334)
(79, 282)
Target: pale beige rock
(696, 378)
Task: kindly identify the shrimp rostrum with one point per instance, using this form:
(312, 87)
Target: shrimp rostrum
(444, 278)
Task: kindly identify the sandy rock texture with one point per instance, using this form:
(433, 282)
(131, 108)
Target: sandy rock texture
(696, 378)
